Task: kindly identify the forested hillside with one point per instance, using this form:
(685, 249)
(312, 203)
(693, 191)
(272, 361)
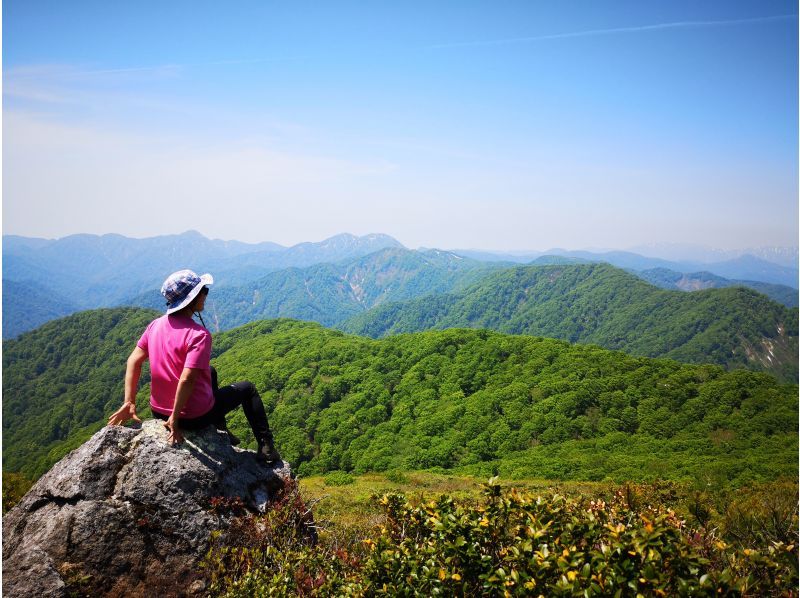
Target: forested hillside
(522, 406)
(772, 265)
(475, 401)
(61, 381)
(330, 293)
(600, 304)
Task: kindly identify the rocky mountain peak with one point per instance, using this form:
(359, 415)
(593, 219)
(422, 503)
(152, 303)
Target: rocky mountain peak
(130, 513)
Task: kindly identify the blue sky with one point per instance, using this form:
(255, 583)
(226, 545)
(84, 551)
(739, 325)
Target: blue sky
(498, 125)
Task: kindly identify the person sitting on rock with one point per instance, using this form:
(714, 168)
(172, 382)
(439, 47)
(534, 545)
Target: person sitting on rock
(183, 384)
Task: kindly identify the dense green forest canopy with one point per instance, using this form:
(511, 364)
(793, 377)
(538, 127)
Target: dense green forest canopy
(475, 401)
(485, 402)
(62, 380)
(603, 305)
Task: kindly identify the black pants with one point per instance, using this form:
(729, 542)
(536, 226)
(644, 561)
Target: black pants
(226, 399)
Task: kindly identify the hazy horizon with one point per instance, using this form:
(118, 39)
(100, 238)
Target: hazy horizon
(510, 126)
(657, 250)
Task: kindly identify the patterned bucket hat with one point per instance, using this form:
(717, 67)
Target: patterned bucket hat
(181, 287)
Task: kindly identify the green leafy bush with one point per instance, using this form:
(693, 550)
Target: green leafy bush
(277, 554)
(508, 543)
(338, 478)
(398, 477)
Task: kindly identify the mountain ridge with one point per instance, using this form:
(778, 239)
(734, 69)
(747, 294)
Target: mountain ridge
(600, 304)
(695, 281)
(91, 271)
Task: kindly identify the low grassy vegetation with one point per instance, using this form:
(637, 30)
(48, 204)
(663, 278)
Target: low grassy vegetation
(415, 534)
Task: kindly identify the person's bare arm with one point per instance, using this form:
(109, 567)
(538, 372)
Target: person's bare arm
(185, 387)
(133, 371)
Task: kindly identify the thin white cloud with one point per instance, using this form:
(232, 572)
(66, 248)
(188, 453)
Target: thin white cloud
(166, 68)
(612, 31)
(66, 84)
(68, 72)
(71, 73)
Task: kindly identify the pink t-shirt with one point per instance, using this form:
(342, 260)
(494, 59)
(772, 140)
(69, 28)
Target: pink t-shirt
(172, 343)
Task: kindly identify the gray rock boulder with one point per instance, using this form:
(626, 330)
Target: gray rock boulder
(126, 514)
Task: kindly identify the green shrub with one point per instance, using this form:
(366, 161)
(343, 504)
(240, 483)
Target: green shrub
(338, 478)
(396, 477)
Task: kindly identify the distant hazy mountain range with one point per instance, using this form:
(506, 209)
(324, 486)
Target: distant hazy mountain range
(683, 252)
(89, 271)
(330, 293)
(697, 281)
(27, 306)
(327, 282)
(741, 268)
(100, 271)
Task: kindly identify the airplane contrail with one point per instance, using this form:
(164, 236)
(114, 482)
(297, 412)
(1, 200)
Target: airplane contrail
(173, 67)
(591, 32)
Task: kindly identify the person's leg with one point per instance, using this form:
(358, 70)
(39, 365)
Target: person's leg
(219, 416)
(228, 398)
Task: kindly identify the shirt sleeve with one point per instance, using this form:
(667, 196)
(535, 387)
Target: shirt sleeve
(198, 353)
(142, 344)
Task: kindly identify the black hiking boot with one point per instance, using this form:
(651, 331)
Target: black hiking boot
(267, 453)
